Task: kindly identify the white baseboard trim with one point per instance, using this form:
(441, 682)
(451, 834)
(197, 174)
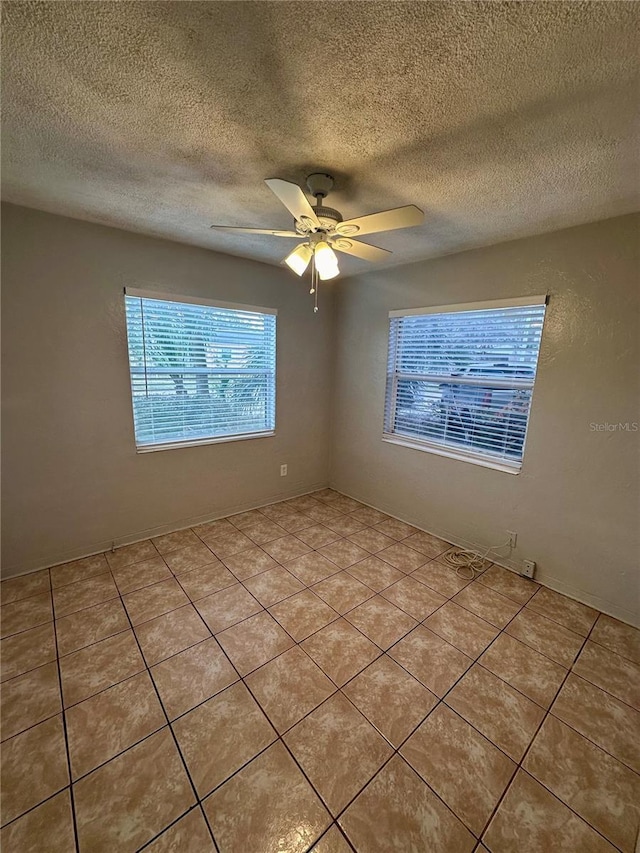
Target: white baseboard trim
(543, 578)
(158, 530)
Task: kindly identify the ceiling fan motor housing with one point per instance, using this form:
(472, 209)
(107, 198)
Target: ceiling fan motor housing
(320, 184)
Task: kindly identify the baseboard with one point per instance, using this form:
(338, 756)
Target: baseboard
(543, 578)
(158, 530)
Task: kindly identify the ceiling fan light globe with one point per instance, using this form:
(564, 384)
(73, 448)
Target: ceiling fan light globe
(326, 261)
(327, 274)
(298, 260)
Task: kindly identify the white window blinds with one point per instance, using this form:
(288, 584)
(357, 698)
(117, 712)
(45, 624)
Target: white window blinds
(462, 377)
(200, 371)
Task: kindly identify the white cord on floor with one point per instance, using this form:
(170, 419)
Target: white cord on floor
(462, 558)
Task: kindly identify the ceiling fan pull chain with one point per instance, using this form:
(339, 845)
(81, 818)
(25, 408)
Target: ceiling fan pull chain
(315, 307)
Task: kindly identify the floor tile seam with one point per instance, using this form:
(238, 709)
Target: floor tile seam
(506, 595)
(157, 615)
(602, 646)
(332, 694)
(379, 654)
(206, 595)
(544, 654)
(284, 651)
(513, 771)
(6, 740)
(211, 636)
(422, 623)
(97, 693)
(380, 593)
(311, 550)
(23, 630)
(8, 681)
(77, 779)
(289, 595)
(278, 738)
(37, 805)
(74, 819)
(413, 730)
(443, 698)
(93, 643)
(556, 621)
(593, 683)
(586, 737)
(478, 661)
(337, 686)
(166, 716)
(274, 521)
(615, 758)
(567, 805)
(432, 588)
(394, 750)
(398, 754)
(110, 597)
(297, 643)
(442, 701)
(520, 763)
(521, 605)
(268, 610)
(26, 671)
(635, 664)
(23, 597)
(144, 559)
(145, 585)
(334, 824)
(126, 566)
(195, 807)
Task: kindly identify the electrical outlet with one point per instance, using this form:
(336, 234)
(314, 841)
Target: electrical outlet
(528, 568)
(283, 470)
(513, 538)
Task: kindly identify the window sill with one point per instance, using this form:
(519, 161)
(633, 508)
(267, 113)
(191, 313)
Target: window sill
(222, 439)
(451, 453)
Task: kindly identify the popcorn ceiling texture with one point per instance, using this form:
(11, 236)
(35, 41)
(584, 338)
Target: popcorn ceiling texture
(499, 119)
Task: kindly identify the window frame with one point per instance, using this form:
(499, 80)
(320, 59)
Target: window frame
(143, 293)
(452, 451)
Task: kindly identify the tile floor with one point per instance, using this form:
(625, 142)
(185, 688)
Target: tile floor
(311, 676)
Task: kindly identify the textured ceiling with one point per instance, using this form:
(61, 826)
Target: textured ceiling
(498, 119)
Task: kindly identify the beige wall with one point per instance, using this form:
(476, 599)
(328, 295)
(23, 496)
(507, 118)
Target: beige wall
(575, 503)
(72, 481)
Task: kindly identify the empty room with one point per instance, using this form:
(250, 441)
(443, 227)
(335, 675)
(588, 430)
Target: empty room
(320, 420)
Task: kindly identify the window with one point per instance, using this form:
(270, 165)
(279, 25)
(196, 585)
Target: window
(460, 379)
(200, 371)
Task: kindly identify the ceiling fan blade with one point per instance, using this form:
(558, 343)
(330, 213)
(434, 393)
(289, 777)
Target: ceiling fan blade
(293, 199)
(360, 250)
(386, 220)
(256, 231)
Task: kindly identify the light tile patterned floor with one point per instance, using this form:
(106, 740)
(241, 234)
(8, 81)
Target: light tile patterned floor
(311, 676)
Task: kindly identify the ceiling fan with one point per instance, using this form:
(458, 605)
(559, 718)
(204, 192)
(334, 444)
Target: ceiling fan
(323, 231)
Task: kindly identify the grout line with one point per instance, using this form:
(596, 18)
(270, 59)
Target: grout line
(66, 743)
(164, 711)
(196, 806)
(520, 763)
(395, 750)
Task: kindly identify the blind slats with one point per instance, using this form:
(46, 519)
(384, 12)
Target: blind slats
(463, 379)
(199, 371)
